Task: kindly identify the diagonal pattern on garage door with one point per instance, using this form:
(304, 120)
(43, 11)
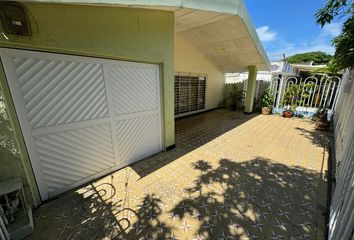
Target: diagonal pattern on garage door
(83, 117)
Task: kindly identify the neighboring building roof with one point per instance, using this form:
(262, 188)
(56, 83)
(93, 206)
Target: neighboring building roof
(232, 78)
(282, 67)
(279, 67)
(221, 30)
(307, 67)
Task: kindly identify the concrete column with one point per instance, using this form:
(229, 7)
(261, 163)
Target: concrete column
(251, 88)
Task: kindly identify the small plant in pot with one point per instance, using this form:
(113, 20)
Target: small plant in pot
(288, 111)
(290, 100)
(321, 120)
(267, 100)
(319, 114)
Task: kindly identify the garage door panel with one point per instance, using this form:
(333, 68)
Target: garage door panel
(134, 89)
(64, 168)
(75, 154)
(83, 117)
(61, 92)
(142, 132)
(75, 146)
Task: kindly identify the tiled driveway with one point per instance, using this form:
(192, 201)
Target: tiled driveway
(232, 176)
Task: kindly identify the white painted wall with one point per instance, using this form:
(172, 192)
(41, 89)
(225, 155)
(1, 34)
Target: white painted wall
(280, 67)
(231, 78)
(188, 59)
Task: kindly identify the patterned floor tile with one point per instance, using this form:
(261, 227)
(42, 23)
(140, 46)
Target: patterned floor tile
(231, 176)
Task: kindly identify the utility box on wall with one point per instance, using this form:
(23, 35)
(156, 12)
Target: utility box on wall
(14, 18)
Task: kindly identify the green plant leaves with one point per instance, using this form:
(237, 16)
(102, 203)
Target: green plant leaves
(267, 98)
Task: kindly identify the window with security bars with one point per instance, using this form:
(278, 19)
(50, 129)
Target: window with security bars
(189, 94)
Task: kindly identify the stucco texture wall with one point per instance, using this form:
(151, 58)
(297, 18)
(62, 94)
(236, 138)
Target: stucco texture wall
(188, 59)
(101, 31)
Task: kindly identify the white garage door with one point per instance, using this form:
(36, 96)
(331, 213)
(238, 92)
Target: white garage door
(83, 117)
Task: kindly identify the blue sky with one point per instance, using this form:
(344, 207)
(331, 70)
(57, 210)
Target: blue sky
(289, 26)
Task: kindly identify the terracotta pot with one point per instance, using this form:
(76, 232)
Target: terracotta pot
(265, 110)
(287, 114)
(322, 125)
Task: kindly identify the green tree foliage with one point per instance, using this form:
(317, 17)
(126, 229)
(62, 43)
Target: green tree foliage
(290, 97)
(317, 58)
(344, 43)
(297, 95)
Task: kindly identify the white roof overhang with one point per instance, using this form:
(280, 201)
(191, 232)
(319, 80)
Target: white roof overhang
(221, 30)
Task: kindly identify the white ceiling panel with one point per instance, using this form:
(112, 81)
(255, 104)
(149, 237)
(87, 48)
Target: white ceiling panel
(225, 41)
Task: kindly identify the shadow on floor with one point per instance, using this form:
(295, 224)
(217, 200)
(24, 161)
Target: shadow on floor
(216, 198)
(317, 137)
(320, 139)
(192, 132)
(255, 199)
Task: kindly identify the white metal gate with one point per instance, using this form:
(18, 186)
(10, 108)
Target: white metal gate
(315, 92)
(83, 117)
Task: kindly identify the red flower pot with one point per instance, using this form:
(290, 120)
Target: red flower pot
(287, 114)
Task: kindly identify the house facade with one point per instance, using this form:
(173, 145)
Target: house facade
(97, 85)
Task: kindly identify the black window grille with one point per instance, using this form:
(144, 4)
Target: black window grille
(189, 94)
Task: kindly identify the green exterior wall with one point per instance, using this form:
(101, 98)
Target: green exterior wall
(130, 34)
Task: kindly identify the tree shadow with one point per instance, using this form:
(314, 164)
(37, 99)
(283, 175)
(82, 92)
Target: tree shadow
(94, 212)
(317, 137)
(148, 224)
(85, 214)
(192, 132)
(256, 199)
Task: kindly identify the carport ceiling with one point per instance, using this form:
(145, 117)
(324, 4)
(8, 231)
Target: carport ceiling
(222, 38)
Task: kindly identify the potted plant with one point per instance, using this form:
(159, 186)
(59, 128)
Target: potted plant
(266, 102)
(321, 120)
(290, 100)
(296, 95)
(288, 112)
(319, 114)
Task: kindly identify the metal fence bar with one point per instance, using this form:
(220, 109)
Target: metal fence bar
(331, 96)
(274, 86)
(312, 91)
(336, 97)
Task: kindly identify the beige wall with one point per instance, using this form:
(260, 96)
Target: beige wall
(188, 59)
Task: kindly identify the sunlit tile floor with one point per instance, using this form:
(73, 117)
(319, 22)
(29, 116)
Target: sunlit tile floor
(231, 176)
